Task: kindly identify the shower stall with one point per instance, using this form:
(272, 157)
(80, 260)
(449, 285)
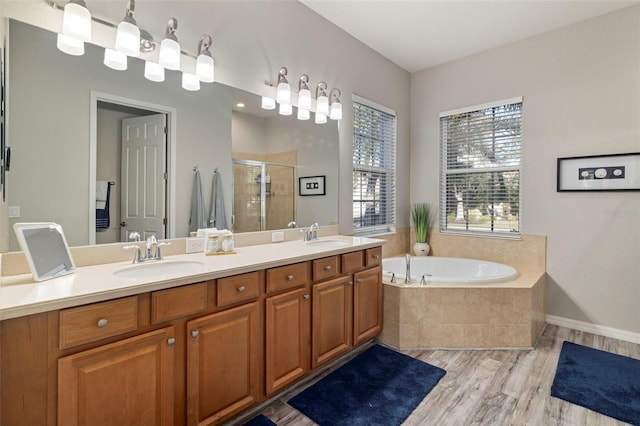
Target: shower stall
(263, 195)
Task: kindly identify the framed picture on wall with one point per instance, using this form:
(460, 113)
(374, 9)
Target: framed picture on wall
(312, 185)
(613, 172)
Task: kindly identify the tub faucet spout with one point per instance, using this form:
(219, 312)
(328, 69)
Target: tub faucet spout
(407, 275)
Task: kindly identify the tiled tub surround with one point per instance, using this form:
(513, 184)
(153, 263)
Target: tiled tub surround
(492, 315)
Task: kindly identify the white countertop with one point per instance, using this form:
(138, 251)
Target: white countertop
(20, 295)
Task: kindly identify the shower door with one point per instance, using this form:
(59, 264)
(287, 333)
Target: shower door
(263, 195)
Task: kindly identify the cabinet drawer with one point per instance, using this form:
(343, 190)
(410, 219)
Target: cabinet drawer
(352, 262)
(373, 256)
(238, 288)
(324, 268)
(97, 321)
(289, 276)
(178, 302)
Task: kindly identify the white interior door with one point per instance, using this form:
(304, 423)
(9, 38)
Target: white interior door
(144, 176)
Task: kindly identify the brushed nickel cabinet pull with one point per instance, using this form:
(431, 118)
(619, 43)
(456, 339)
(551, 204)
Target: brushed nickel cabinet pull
(241, 289)
(289, 277)
(102, 322)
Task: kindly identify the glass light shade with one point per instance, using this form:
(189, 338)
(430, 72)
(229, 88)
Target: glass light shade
(268, 103)
(128, 39)
(190, 82)
(115, 60)
(304, 99)
(320, 118)
(283, 93)
(70, 45)
(76, 21)
(336, 111)
(303, 114)
(170, 54)
(322, 106)
(205, 68)
(153, 71)
(285, 109)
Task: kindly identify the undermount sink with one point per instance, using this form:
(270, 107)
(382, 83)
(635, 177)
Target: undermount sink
(328, 243)
(153, 269)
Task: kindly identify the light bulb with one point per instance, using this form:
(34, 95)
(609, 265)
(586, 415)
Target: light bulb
(285, 109)
(322, 106)
(76, 20)
(304, 99)
(283, 93)
(128, 38)
(170, 54)
(190, 82)
(303, 114)
(268, 103)
(115, 60)
(205, 68)
(70, 45)
(336, 111)
(153, 71)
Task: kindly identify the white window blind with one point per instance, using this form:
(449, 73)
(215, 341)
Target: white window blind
(481, 157)
(374, 165)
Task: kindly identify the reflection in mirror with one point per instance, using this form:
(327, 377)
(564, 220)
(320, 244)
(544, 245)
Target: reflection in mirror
(270, 153)
(50, 132)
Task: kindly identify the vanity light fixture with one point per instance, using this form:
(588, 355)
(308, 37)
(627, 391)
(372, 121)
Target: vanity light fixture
(335, 112)
(204, 62)
(128, 33)
(268, 103)
(322, 102)
(304, 94)
(283, 92)
(190, 82)
(170, 48)
(115, 60)
(70, 45)
(153, 71)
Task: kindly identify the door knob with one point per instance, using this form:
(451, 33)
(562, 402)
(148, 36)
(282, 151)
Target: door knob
(123, 223)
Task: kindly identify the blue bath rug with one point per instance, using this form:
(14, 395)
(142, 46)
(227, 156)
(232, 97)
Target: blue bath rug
(378, 387)
(600, 381)
(260, 420)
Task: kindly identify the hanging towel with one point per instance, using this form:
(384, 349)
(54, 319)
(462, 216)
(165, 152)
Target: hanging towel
(103, 193)
(217, 216)
(196, 221)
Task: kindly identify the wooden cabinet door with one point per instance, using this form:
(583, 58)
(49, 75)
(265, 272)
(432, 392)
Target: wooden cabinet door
(124, 383)
(367, 304)
(222, 364)
(287, 338)
(332, 323)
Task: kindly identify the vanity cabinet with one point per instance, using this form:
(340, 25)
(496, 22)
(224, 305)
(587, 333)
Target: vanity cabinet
(222, 364)
(195, 354)
(287, 326)
(122, 383)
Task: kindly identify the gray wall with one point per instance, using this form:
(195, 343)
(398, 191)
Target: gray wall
(581, 88)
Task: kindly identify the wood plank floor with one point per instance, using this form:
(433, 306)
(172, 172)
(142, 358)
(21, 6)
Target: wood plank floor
(494, 387)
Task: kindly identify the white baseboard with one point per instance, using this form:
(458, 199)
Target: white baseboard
(616, 333)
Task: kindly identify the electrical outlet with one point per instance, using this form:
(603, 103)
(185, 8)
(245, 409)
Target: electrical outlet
(277, 237)
(195, 245)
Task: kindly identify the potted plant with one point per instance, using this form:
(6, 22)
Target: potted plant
(422, 219)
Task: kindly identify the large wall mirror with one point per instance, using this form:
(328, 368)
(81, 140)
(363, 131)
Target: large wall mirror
(67, 117)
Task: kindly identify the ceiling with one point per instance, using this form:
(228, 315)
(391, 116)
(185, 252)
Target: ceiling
(420, 34)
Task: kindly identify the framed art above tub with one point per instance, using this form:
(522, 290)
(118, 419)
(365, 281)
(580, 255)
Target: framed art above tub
(612, 172)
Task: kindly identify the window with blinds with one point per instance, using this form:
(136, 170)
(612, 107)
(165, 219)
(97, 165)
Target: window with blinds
(481, 157)
(374, 166)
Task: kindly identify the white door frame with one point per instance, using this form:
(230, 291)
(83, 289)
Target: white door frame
(171, 155)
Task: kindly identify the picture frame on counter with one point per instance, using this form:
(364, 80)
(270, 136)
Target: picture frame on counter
(312, 185)
(612, 172)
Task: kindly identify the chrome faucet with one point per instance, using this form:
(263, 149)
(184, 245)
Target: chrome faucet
(407, 275)
(153, 250)
(311, 233)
